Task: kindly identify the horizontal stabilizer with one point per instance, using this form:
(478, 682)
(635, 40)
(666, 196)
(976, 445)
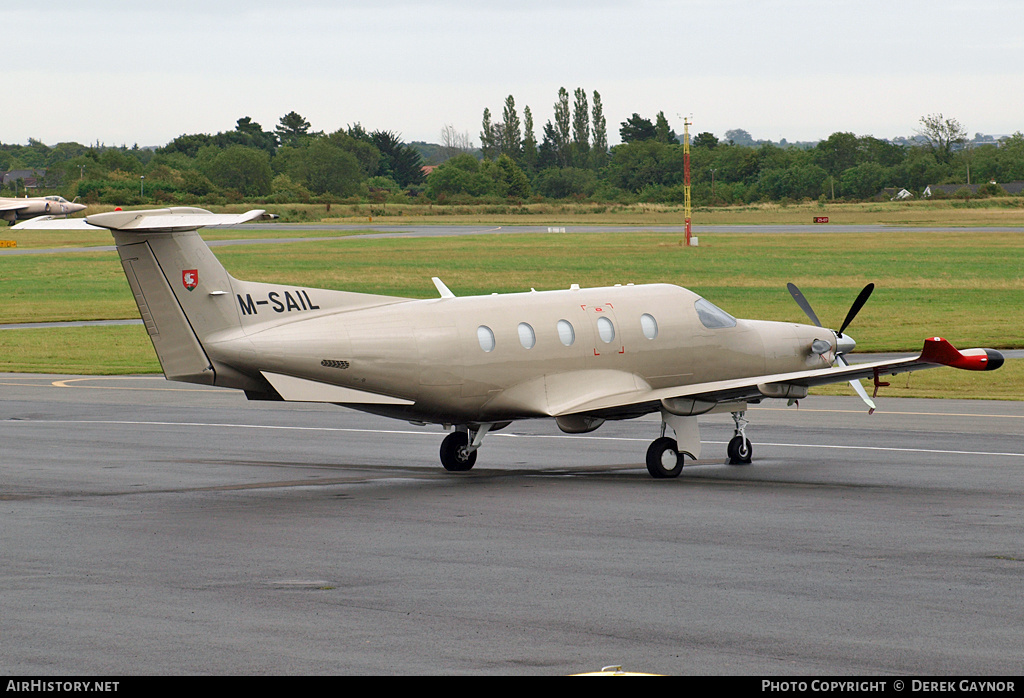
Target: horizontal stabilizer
(161, 220)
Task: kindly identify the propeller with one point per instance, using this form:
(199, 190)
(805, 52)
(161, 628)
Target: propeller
(842, 347)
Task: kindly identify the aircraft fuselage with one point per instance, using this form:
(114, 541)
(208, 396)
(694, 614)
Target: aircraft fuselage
(15, 209)
(510, 356)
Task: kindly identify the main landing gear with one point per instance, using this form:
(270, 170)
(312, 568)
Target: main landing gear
(663, 458)
(458, 450)
(665, 455)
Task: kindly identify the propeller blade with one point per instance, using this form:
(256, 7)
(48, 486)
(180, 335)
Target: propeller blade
(802, 302)
(865, 293)
(858, 387)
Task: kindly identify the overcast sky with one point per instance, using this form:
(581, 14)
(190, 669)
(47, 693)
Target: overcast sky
(144, 73)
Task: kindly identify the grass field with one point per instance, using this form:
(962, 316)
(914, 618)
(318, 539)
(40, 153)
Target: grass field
(1005, 212)
(967, 287)
(994, 212)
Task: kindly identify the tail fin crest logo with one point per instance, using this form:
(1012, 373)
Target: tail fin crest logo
(190, 278)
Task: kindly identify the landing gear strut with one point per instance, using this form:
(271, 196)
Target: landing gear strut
(739, 449)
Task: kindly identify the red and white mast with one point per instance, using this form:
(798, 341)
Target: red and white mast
(687, 209)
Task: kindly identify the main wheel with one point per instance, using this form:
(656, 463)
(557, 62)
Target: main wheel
(740, 451)
(453, 453)
(664, 459)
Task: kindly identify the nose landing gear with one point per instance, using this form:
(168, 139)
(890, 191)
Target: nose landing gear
(740, 450)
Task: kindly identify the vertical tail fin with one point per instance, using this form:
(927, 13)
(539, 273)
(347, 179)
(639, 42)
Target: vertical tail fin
(199, 318)
(183, 292)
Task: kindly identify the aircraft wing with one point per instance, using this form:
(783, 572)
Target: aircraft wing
(13, 206)
(936, 352)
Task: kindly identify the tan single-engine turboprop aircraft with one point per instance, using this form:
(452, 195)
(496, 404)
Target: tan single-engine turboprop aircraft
(580, 356)
(14, 209)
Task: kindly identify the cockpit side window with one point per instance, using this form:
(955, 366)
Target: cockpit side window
(713, 317)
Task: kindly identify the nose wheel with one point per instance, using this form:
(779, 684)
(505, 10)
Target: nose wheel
(740, 450)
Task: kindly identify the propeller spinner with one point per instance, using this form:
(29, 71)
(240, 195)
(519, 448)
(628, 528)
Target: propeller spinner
(844, 343)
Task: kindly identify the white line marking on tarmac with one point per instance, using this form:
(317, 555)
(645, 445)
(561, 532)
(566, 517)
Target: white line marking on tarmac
(434, 434)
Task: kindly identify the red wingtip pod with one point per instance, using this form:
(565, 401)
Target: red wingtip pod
(938, 351)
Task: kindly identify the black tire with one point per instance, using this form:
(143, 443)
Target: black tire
(740, 451)
(453, 455)
(664, 459)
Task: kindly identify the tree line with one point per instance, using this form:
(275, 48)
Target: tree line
(648, 165)
(291, 163)
(571, 160)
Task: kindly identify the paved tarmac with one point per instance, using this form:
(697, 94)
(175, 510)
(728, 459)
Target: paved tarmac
(149, 527)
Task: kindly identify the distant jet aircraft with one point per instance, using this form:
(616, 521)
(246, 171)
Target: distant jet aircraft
(12, 210)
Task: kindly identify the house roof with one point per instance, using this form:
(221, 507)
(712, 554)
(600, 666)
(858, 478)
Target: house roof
(29, 177)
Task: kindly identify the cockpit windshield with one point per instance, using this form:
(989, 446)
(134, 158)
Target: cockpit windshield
(58, 199)
(713, 317)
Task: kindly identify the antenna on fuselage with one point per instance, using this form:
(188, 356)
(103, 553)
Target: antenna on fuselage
(441, 288)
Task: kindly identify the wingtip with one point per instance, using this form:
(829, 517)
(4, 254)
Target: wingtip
(937, 350)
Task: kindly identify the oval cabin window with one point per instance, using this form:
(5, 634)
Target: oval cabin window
(566, 333)
(527, 337)
(485, 337)
(649, 326)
